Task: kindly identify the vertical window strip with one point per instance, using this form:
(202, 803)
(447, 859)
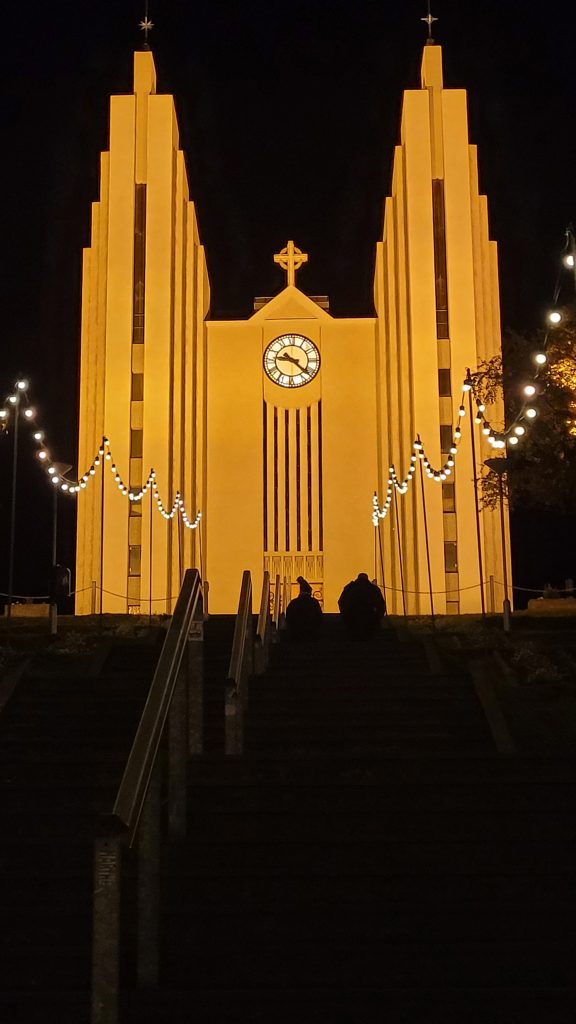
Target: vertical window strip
(320, 492)
(298, 488)
(309, 473)
(440, 264)
(275, 480)
(265, 470)
(287, 476)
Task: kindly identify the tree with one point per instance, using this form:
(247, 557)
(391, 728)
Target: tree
(542, 469)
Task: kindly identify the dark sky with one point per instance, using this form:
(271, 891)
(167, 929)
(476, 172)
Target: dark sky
(288, 116)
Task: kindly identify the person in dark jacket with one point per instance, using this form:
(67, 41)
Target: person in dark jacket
(304, 614)
(362, 607)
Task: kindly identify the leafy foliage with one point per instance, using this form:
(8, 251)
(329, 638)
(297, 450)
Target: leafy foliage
(542, 471)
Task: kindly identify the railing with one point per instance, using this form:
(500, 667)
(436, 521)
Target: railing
(170, 729)
(241, 667)
(263, 630)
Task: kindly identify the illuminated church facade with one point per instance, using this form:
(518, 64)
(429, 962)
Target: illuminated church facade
(280, 428)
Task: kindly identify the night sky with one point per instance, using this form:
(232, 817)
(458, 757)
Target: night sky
(288, 116)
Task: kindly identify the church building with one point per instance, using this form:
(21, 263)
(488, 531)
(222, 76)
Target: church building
(267, 443)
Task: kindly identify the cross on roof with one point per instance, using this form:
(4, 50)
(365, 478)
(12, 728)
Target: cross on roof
(290, 258)
(146, 25)
(429, 20)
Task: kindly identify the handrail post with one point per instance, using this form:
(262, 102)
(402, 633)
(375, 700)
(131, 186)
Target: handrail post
(241, 665)
(261, 651)
(277, 599)
(194, 667)
(149, 883)
(178, 752)
(106, 929)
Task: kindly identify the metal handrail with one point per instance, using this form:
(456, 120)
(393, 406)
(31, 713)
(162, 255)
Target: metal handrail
(277, 602)
(172, 711)
(140, 765)
(263, 629)
(241, 665)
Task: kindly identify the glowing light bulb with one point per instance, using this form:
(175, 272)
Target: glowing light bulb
(540, 358)
(92, 471)
(466, 386)
(554, 317)
(486, 431)
(12, 399)
(3, 414)
(51, 470)
(519, 430)
(43, 455)
(529, 390)
(28, 413)
(569, 260)
(22, 385)
(513, 440)
(38, 436)
(531, 413)
(461, 411)
(55, 479)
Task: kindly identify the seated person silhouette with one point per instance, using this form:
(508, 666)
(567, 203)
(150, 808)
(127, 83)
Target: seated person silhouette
(303, 614)
(362, 607)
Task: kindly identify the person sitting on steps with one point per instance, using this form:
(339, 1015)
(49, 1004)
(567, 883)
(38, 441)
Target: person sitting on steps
(303, 614)
(362, 607)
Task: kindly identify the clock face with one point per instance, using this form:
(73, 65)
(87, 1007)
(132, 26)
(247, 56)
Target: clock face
(291, 360)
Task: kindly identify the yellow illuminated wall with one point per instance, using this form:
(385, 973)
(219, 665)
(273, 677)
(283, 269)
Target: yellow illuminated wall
(145, 300)
(437, 302)
(284, 476)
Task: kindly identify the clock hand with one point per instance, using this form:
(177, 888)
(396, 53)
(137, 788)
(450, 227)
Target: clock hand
(290, 359)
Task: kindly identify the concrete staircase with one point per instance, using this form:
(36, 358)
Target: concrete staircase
(64, 739)
(370, 858)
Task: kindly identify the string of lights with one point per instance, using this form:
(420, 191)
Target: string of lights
(498, 439)
(104, 455)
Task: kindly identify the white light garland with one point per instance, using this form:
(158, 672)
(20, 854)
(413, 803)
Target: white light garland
(103, 456)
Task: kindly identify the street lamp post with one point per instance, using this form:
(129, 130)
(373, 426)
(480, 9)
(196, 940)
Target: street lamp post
(500, 466)
(61, 469)
(14, 401)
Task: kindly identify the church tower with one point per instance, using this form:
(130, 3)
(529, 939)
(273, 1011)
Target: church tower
(145, 299)
(438, 314)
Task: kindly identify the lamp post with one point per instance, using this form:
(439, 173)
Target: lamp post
(61, 469)
(500, 466)
(14, 402)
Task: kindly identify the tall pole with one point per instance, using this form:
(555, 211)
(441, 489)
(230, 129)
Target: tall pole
(102, 543)
(53, 603)
(13, 506)
(427, 541)
(506, 607)
(476, 509)
(499, 466)
(399, 540)
(381, 560)
(150, 541)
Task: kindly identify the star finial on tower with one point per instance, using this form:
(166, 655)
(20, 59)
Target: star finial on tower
(290, 258)
(146, 25)
(429, 21)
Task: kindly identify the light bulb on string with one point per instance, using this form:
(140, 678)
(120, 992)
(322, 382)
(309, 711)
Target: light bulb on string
(28, 413)
(513, 440)
(22, 385)
(529, 390)
(12, 399)
(540, 358)
(568, 260)
(554, 317)
(531, 413)
(519, 430)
